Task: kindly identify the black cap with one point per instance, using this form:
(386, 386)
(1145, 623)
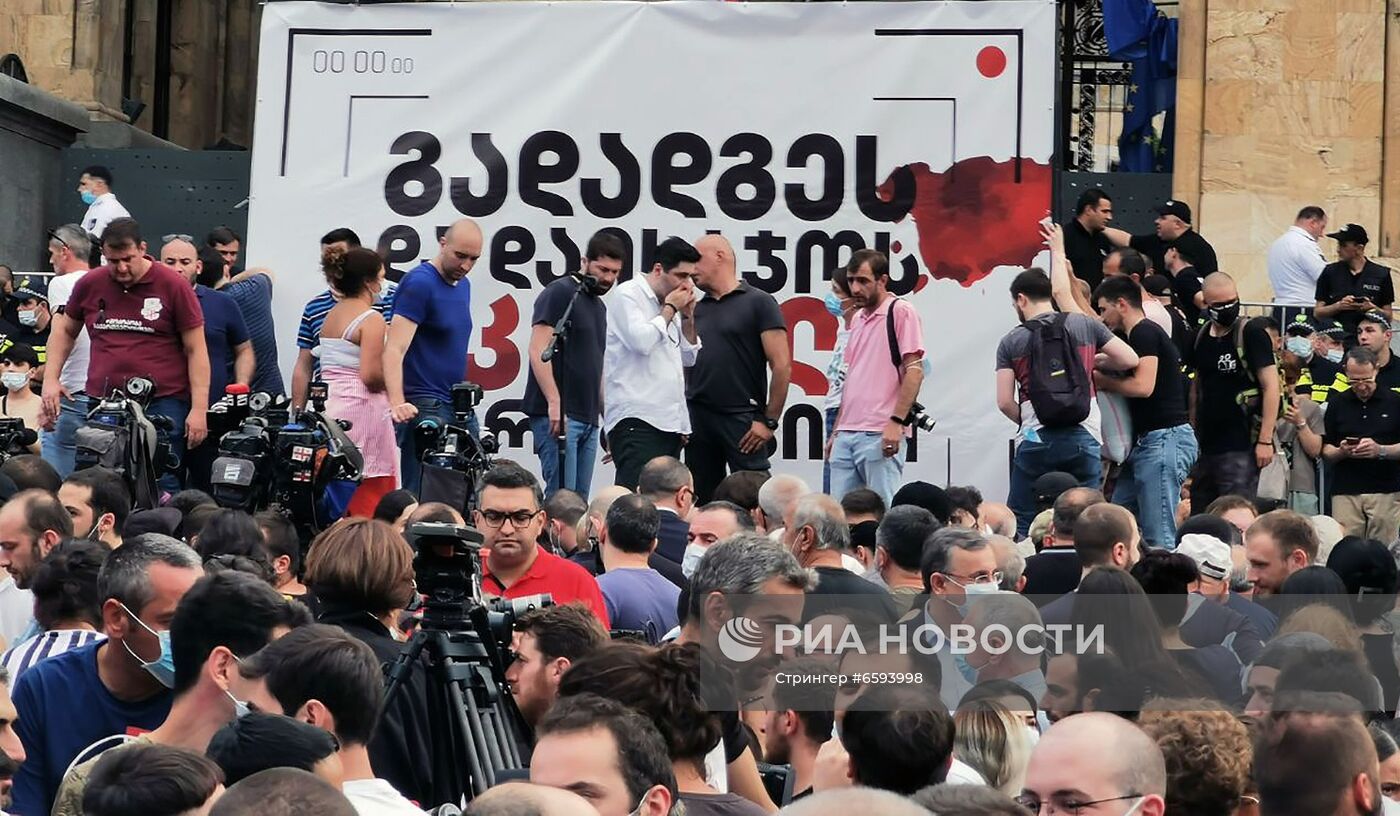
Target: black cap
(1180, 209)
(1332, 329)
(1351, 234)
(31, 286)
(1049, 486)
(163, 520)
(1300, 327)
(1375, 316)
(11, 352)
(863, 534)
(1157, 285)
(928, 496)
(1363, 564)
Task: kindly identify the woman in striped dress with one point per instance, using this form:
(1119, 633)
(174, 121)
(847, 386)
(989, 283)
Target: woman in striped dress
(352, 366)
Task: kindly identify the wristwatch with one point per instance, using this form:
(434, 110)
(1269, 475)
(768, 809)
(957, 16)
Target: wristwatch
(771, 423)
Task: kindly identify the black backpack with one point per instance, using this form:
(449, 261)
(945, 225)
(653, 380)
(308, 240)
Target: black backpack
(1057, 386)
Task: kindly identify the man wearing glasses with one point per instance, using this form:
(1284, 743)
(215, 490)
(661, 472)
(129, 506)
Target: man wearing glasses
(1095, 764)
(1361, 432)
(510, 517)
(651, 341)
(958, 564)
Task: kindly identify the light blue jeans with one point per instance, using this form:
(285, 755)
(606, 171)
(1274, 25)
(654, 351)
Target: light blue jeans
(1072, 450)
(858, 461)
(59, 446)
(1149, 483)
(581, 439)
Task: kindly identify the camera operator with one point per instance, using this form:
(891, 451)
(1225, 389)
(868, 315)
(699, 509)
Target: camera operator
(427, 350)
(510, 517)
(17, 364)
(143, 320)
(866, 448)
(579, 362)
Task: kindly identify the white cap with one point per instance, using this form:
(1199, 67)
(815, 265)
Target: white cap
(1212, 556)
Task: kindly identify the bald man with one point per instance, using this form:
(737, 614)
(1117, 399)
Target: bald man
(514, 798)
(229, 346)
(426, 353)
(1234, 362)
(735, 407)
(1070, 767)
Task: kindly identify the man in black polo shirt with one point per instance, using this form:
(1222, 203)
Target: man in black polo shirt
(1353, 285)
(1362, 432)
(1173, 229)
(1373, 334)
(1186, 283)
(1085, 243)
(732, 414)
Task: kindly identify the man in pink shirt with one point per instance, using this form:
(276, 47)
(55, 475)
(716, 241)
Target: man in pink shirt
(866, 448)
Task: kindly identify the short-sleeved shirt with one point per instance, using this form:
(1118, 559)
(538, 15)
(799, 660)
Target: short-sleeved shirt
(437, 357)
(731, 373)
(74, 374)
(1338, 281)
(1086, 251)
(1302, 469)
(224, 331)
(313, 316)
(1186, 283)
(562, 578)
(1388, 375)
(254, 299)
(872, 380)
(1166, 408)
(1014, 353)
(580, 362)
(1190, 243)
(136, 330)
(640, 600)
(1377, 418)
(1222, 426)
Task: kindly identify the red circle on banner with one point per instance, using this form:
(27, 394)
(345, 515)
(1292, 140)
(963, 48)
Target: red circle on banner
(991, 61)
(896, 247)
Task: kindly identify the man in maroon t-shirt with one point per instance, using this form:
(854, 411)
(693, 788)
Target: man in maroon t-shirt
(143, 320)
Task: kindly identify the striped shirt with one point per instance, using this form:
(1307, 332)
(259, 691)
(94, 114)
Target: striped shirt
(314, 316)
(18, 659)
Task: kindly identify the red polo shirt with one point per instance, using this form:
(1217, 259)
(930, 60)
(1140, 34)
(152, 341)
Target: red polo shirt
(136, 330)
(559, 577)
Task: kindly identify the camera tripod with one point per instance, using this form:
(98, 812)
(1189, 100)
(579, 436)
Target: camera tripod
(482, 722)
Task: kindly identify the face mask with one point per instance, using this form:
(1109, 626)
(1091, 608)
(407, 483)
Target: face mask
(1225, 314)
(163, 667)
(1134, 809)
(691, 559)
(970, 590)
(240, 708)
(95, 534)
(14, 380)
(1299, 346)
(87, 196)
(1032, 737)
(1334, 355)
(28, 317)
(833, 304)
(965, 668)
(1042, 721)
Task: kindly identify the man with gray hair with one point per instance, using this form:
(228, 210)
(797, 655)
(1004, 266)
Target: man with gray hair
(815, 532)
(899, 551)
(69, 248)
(1010, 563)
(775, 499)
(1010, 640)
(667, 483)
(70, 702)
(1069, 767)
(958, 564)
(746, 574)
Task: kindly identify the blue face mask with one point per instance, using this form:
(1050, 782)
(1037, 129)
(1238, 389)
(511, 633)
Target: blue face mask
(88, 196)
(1334, 355)
(833, 304)
(163, 667)
(965, 668)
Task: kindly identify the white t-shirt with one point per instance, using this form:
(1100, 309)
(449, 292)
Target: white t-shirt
(375, 797)
(75, 368)
(102, 212)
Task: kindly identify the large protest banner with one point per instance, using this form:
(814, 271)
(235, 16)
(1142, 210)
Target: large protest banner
(801, 131)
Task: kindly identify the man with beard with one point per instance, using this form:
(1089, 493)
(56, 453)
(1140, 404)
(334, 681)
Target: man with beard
(1317, 761)
(571, 403)
(11, 749)
(546, 643)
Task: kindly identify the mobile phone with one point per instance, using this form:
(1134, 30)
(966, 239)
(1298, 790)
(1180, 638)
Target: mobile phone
(1352, 440)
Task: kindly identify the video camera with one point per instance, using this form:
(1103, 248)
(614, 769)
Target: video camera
(15, 437)
(280, 458)
(120, 435)
(453, 458)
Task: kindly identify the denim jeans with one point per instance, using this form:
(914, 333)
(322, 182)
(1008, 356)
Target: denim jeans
(409, 455)
(581, 441)
(857, 460)
(175, 409)
(59, 446)
(826, 465)
(1071, 450)
(1149, 483)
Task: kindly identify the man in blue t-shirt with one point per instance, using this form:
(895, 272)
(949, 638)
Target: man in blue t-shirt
(116, 687)
(573, 379)
(426, 353)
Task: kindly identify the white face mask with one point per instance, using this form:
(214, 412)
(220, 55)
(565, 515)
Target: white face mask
(1032, 737)
(691, 559)
(14, 380)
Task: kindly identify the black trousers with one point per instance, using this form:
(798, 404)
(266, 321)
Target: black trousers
(633, 443)
(713, 451)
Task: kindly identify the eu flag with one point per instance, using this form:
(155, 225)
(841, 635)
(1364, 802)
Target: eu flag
(1140, 34)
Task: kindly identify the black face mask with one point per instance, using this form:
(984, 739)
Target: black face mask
(1224, 314)
(594, 287)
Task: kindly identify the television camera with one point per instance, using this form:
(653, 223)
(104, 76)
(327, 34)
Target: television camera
(454, 458)
(121, 435)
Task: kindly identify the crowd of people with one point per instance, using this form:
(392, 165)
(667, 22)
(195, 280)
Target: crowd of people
(1206, 500)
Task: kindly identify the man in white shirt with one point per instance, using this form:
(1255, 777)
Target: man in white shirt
(95, 188)
(68, 255)
(1295, 260)
(651, 340)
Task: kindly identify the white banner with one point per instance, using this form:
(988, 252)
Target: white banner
(801, 131)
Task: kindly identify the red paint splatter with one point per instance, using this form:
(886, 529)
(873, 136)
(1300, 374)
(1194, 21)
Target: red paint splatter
(920, 282)
(505, 318)
(809, 310)
(991, 61)
(975, 216)
(896, 246)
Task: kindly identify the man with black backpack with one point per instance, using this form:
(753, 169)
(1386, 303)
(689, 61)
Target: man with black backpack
(884, 365)
(1234, 398)
(1045, 385)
